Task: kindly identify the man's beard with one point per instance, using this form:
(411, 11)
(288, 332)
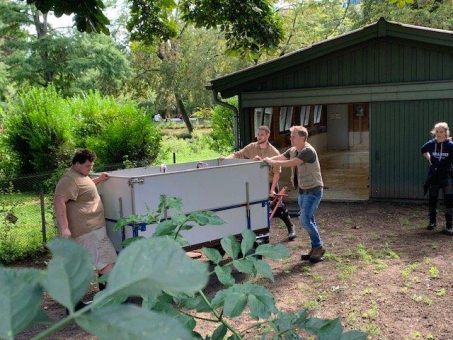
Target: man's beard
(261, 142)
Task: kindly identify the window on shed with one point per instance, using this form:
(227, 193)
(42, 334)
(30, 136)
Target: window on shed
(286, 117)
(317, 114)
(305, 115)
(262, 116)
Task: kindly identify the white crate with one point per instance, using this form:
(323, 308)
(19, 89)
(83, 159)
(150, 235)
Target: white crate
(216, 185)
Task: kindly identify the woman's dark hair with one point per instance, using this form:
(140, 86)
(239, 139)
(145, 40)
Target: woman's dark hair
(83, 155)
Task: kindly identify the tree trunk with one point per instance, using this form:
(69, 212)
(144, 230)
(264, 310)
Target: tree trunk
(182, 110)
(41, 31)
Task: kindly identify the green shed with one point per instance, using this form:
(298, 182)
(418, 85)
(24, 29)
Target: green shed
(368, 98)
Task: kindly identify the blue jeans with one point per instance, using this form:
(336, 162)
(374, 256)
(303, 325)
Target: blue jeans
(309, 203)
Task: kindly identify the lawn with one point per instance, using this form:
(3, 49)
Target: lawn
(24, 237)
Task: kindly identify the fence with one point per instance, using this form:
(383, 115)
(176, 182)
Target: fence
(26, 214)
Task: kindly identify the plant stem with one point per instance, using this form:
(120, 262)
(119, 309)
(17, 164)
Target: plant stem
(198, 317)
(219, 317)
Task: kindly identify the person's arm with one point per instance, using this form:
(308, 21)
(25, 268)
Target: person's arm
(427, 156)
(59, 204)
(275, 178)
(101, 178)
(241, 154)
(283, 161)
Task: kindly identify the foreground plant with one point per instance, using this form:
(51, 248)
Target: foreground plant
(170, 284)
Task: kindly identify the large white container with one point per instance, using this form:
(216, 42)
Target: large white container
(237, 190)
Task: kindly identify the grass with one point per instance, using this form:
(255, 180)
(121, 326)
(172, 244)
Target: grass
(24, 237)
(186, 150)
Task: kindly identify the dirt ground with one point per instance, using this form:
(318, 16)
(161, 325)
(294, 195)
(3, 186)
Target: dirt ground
(383, 273)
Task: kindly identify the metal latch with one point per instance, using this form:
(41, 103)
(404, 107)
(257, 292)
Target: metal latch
(132, 181)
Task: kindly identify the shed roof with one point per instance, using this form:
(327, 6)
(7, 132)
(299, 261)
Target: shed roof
(230, 83)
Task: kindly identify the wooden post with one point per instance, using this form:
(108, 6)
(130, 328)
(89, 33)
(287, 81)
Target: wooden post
(43, 216)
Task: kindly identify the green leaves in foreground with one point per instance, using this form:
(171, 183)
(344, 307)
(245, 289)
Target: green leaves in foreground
(245, 257)
(236, 298)
(288, 324)
(69, 272)
(132, 322)
(149, 266)
(20, 299)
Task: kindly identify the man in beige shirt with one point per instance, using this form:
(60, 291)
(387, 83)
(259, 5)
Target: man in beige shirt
(263, 149)
(80, 213)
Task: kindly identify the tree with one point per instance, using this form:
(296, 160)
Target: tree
(72, 62)
(430, 13)
(89, 16)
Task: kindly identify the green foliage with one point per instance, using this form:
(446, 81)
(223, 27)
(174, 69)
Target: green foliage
(257, 18)
(170, 283)
(9, 162)
(128, 134)
(20, 225)
(43, 129)
(39, 129)
(203, 113)
(21, 297)
(88, 18)
(222, 127)
(187, 150)
(247, 25)
(429, 13)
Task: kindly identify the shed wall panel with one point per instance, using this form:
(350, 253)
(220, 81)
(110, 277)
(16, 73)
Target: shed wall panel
(397, 131)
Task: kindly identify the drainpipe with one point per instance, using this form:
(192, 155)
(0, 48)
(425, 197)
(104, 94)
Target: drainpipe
(237, 135)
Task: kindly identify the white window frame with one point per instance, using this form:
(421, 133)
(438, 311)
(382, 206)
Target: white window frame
(286, 117)
(317, 114)
(305, 115)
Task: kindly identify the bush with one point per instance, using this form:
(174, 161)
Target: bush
(117, 131)
(39, 130)
(222, 128)
(9, 162)
(42, 130)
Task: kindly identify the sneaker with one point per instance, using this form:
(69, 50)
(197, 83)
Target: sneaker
(291, 233)
(316, 255)
(431, 226)
(306, 257)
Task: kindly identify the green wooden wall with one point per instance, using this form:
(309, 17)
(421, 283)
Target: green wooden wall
(397, 131)
(380, 60)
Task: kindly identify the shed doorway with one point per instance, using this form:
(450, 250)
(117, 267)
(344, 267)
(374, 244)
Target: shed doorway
(345, 164)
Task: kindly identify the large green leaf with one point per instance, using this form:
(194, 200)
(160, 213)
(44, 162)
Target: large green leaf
(275, 252)
(131, 322)
(69, 272)
(20, 299)
(259, 299)
(148, 267)
(224, 275)
(263, 268)
(245, 265)
(219, 333)
(205, 218)
(248, 240)
(325, 329)
(231, 246)
(213, 255)
(234, 304)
